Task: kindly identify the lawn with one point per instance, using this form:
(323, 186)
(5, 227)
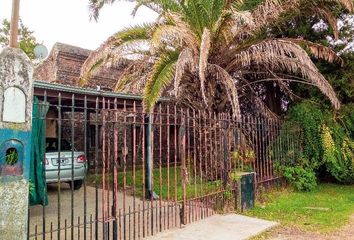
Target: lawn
(193, 188)
(326, 209)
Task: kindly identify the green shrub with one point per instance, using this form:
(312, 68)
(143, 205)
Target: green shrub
(324, 140)
(304, 179)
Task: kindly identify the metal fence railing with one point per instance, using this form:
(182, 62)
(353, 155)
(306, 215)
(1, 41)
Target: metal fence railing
(115, 172)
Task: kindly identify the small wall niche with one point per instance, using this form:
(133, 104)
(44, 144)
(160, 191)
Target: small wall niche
(11, 156)
(14, 108)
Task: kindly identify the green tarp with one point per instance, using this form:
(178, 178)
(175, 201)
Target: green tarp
(38, 187)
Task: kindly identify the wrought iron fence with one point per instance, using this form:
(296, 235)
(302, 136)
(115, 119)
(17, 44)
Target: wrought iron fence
(115, 172)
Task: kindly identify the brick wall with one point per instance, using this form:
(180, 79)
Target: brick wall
(63, 66)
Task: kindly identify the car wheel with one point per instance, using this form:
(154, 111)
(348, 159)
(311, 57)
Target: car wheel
(77, 184)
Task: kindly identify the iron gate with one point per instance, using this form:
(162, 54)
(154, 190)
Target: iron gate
(145, 172)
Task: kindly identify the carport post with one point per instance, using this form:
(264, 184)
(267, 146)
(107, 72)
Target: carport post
(148, 122)
(148, 153)
(16, 99)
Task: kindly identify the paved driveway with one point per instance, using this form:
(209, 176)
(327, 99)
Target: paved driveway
(134, 221)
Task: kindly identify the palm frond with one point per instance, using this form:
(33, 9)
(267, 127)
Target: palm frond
(348, 4)
(196, 16)
(169, 5)
(330, 18)
(110, 48)
(158, 6)
(122, 82)
(216, 9)
(265, 14)
(203, 59)
(319, 51)
(146, 3)
(224, 77)
(96, 5)
(286, 56)
(185, 62)
(161, 75)
(175, 36)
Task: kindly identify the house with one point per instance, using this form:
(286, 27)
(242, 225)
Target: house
(73, 107)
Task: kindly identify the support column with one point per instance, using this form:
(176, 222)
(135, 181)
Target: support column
(148, 153)
(148, 121)
(16, 99)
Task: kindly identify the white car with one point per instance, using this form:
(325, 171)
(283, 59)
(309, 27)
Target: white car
(67, 159)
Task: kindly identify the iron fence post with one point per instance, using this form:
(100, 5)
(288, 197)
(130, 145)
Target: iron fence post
(184, 172)
(225, 126)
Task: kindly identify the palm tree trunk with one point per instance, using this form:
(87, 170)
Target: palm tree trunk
(273, 98)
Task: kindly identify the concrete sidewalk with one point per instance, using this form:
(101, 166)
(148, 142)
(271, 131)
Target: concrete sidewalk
(218, 227)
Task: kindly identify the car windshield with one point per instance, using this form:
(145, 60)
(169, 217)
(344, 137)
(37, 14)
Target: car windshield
(52, 145)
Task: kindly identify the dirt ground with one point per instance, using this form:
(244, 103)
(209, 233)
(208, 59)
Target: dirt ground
(287, 233)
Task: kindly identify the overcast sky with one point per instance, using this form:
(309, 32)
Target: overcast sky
(67, 21)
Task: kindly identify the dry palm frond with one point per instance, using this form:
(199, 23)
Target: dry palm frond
(131, 80)
(266, 13)
(203, 59)
(348, 4)
(241, 19)
(221, 28)
(286, 56)
(118, 44)
(172, 36)
(96, 59)
(224, 77)
(184, 29)
(184, 63)
(326, 13)
(319, 51)
(232, 25)
(122, 82)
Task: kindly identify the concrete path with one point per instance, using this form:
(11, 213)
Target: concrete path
(235, 227)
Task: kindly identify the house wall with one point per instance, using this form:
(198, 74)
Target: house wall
(63, 66)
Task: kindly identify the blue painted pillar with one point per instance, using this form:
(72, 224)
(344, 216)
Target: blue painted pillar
(16, 98)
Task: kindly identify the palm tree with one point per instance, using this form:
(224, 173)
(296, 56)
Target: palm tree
(203, 52)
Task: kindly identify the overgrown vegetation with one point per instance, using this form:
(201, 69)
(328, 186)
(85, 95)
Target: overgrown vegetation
(249, 57)
(325, 147)
(325, 209)
(324, 150)
(214, 55)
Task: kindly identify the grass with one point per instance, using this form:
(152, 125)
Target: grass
(324, 210)
(193, 188)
